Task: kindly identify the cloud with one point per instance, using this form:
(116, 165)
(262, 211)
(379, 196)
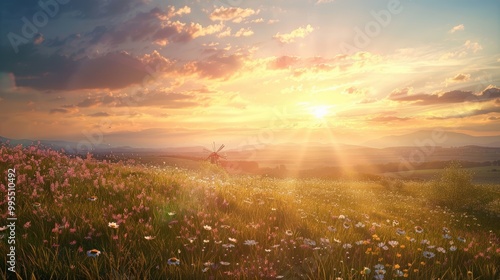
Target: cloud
(459, 27)
(38, 39)
(7, 81)
(461, 77)
(474, 46)
(324, 1)
(234, 14)
(283, 62)
(300, 32)
(387, 119)
(59, 72)
(151, 26)
(99, 114)
(472, 113)
(355, 90)
(458, 78)
(450, 97)
(172, 12)
(62, 111)
(399, 93)
(244, 32)
(216, 66)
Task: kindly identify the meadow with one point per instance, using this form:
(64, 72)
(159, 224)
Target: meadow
(82, 218)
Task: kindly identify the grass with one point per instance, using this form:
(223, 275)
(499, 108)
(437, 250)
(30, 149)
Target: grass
(222, 226)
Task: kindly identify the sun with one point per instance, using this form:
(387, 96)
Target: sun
(320, 111)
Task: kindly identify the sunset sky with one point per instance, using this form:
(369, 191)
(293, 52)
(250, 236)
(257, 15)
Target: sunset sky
(174, 73)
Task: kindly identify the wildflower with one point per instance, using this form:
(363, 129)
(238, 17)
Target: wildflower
(206, 227)
(397, 273)
(461, 239)
(37, 204)
(250, 242)
(171, 213)
(206, 241)
(395, 223)
(379, 271)
(309, 242)
(92, 198)
(359, 225)
(27, 224)
(453, 248)
(173, 261)
(224, 263)
(288, 232)
(400, 232)
(393, 243)
(347, 246)
(428, 255)
(93, 253)
(3, 228)
(366, 271)
(445, 230)
(72, 242)
(441, 250)
(419, 229)
(341, 217)
(324, 240)
(113, 225)
(233, 240)
(446, 236)
(149, 237)
(228, 245)
(346, 225)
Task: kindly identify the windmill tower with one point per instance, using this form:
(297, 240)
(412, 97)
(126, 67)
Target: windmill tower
(214, 155)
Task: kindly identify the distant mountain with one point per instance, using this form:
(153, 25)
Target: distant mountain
(435, 138)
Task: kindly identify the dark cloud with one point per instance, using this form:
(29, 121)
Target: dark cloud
(99, 114)
(140, 99)
(455, 96)
(62, 111)
(477, 112)
(58, 72)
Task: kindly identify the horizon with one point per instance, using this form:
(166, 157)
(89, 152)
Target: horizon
(148, 74)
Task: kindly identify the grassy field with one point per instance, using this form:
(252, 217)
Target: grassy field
(170, 223)
(482, 175)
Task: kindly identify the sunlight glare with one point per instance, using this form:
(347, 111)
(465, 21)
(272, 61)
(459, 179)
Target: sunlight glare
(320, 111)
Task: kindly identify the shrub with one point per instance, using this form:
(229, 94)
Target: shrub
(454, 187)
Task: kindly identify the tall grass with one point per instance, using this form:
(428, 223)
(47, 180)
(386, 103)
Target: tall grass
(222, 226)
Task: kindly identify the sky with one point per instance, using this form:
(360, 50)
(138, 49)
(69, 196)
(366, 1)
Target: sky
(150, 73)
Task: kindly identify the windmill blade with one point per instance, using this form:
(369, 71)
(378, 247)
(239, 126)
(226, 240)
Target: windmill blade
(221, 147)
(206, 150)
(213, 146)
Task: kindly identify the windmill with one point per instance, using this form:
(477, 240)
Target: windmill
(214, 155)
